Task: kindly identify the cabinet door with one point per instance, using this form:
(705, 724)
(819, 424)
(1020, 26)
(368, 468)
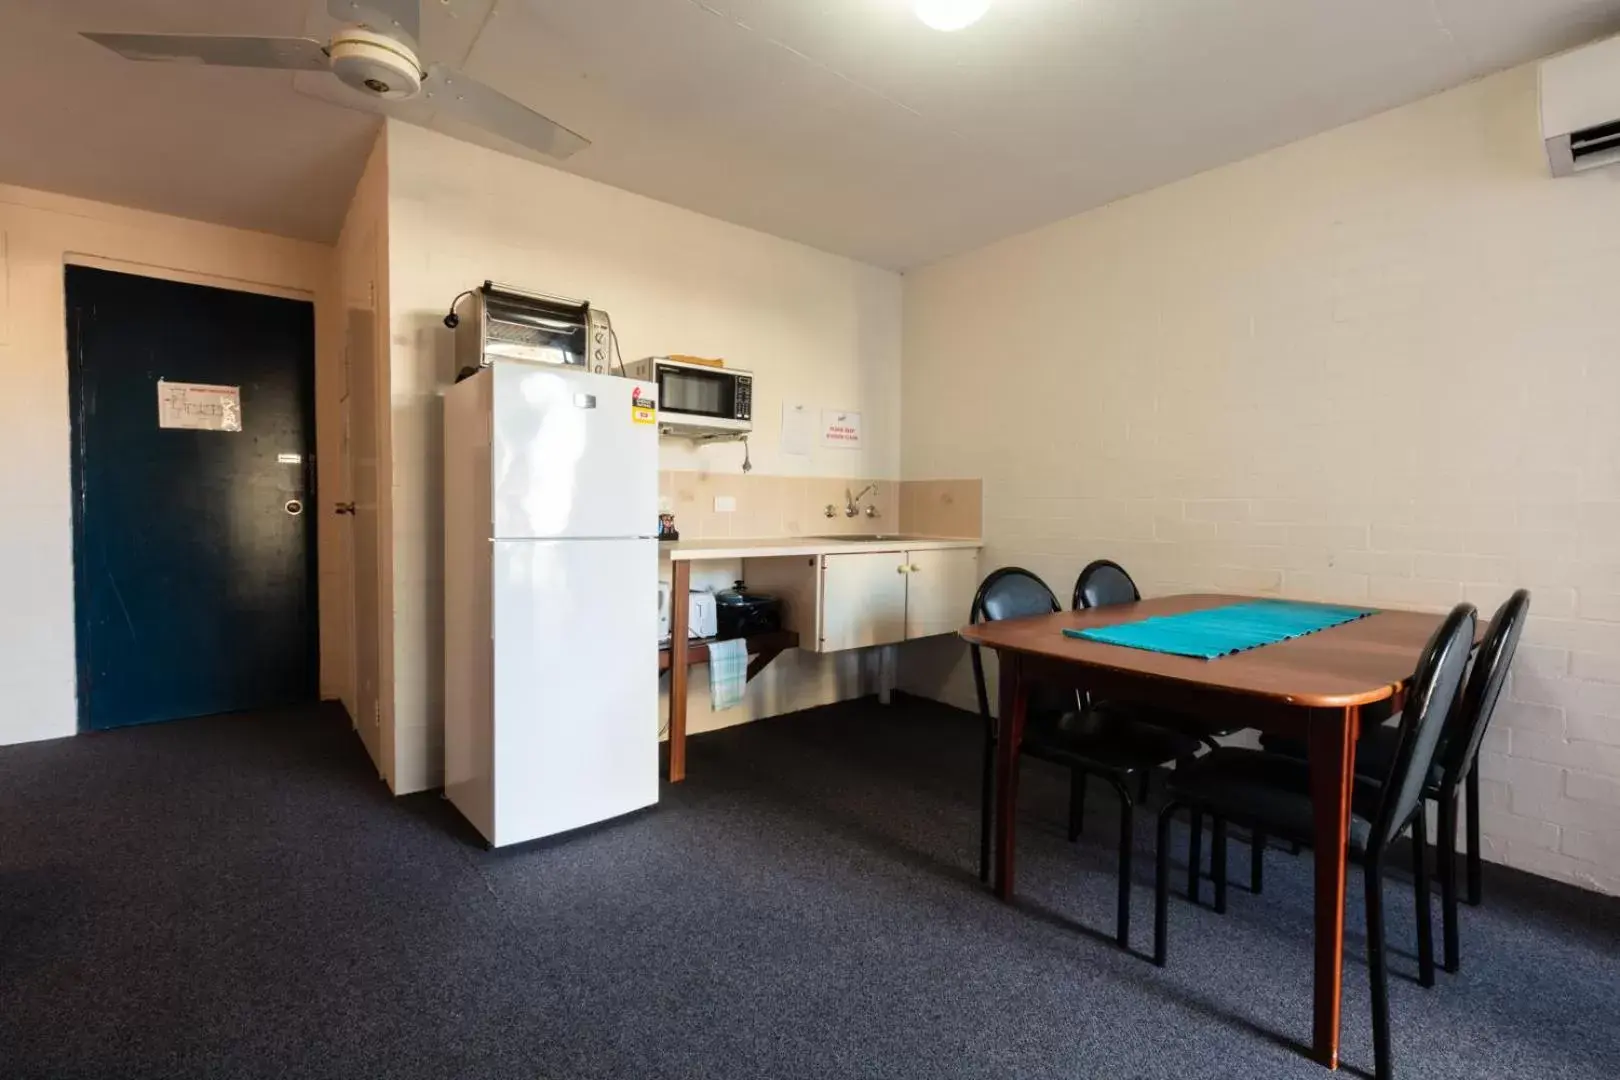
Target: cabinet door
(863, 599)
(940, 587)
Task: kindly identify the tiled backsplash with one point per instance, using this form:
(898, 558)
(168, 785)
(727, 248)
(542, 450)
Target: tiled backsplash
(942, 507)
(769, 506)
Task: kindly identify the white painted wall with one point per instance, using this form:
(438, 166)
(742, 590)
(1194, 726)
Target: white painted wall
(1379, 365)
(39, 234)
(812, 326)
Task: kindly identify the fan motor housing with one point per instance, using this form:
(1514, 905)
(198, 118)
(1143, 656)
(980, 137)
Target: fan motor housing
(375, 64)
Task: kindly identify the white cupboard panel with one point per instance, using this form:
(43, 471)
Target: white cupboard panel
(863, 600)
(940, 588)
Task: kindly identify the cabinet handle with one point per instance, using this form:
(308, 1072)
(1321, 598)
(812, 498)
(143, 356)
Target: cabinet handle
(902, 569)
(914, 569)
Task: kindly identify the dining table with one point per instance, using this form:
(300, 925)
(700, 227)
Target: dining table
(1312, 688)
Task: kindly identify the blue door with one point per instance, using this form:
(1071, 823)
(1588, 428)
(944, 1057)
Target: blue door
(194, 554)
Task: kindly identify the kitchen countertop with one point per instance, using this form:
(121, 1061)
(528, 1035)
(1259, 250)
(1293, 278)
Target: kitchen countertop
(694, 550)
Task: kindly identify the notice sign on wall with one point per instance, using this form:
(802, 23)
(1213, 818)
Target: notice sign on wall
(839, 428)
(195, 405)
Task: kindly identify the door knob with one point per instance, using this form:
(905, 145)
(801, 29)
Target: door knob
(343, 508)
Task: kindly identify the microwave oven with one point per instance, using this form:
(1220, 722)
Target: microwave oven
(697, 399)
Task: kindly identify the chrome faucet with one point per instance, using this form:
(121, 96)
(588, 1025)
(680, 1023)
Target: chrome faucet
(852, 508)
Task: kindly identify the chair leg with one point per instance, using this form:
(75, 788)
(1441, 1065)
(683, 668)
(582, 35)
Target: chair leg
(1217, 862)
(1257, 861)
(987, 784)
(1377, 976)
(1448, 881)
(1077, 803)
(1161, 886)
(1420, 883)
(1476, 888)
(1127, 841)
(1195, 854)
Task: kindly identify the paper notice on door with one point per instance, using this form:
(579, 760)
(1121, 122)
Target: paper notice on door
(198, 406)
(839, 428)
(798, 428)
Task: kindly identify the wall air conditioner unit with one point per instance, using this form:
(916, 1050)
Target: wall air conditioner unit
(1580, 107)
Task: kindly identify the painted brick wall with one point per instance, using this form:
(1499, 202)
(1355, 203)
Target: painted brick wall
(1379, 365)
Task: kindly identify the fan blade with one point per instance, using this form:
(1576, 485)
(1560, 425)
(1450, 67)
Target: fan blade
(391, 17)
(290, 54)
(471, 101)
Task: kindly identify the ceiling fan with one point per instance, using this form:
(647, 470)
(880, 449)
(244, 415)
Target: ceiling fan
(376, 53)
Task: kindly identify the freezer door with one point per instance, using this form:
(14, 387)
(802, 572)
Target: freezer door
(576, 683)
(573, 455)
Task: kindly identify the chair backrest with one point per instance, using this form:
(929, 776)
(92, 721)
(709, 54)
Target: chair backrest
(1008, 593)
(1103, 583)
(1460, 747)
(1431, 697)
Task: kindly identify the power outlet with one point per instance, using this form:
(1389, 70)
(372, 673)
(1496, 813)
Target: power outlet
(725, 504)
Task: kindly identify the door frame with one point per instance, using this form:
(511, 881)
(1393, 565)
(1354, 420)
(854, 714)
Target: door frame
(76, 453)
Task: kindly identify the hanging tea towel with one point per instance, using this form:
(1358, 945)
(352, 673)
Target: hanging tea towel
(728, 673)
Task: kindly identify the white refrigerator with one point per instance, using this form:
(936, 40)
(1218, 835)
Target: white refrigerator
(551, 589)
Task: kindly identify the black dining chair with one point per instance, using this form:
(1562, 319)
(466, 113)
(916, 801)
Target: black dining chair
(1104, 583)
(1454, 776)
(1272, 792)
(1059, 729)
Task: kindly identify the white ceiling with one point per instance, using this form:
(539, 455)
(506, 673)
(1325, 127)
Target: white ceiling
(845, 124)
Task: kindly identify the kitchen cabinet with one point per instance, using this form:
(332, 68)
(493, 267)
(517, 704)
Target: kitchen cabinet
(859, 599)
(939, 590)
(863, 600)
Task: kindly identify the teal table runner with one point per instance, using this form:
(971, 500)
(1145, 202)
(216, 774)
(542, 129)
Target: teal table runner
(1222, 631)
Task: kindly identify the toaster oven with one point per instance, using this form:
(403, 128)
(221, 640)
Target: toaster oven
(499, 321)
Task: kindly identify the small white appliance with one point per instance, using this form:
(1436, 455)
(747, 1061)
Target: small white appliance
(698, 400)
(551, 661)
(702, 614)
(1580, 107)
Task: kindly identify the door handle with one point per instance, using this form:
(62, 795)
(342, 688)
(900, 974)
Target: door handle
(343, 508)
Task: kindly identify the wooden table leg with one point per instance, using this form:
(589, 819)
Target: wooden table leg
(1014, 695)
(1332, 746)
(680, 586)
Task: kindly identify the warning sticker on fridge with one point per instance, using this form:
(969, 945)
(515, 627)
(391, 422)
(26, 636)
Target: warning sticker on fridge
(643, 410)
(198, 406)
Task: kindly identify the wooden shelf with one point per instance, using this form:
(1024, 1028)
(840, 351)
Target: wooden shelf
(762, 647)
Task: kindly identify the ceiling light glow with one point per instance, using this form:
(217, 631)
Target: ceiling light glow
(951, 14)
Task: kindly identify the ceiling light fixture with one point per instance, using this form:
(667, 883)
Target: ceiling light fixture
(951, 14)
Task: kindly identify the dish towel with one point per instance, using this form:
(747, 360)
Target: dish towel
(728, 673)
(1223, 631)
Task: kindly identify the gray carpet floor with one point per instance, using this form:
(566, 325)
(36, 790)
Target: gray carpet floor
(239, 897)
